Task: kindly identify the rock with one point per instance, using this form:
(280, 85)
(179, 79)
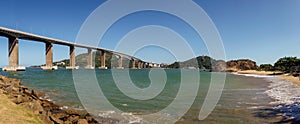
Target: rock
(37, 93)
(15, 89)
(49, 105)
(37, 107)
(61, 116)
(90, 119)
(82, 121)
(21, 98)
(1, 91)
(73, 112)
(73, 118)
(49, 112)
(67, 122)
(9, 81)
(56, 120)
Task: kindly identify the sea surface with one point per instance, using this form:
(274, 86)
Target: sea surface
(243, 97)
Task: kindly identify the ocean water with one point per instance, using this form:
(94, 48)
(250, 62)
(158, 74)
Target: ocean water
(242, 97)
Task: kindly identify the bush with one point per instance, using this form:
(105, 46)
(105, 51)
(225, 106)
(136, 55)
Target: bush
(287, 64)
(266, 67)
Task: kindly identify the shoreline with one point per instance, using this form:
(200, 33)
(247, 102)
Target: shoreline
(45, 110)
(293, 79)
(285, 90)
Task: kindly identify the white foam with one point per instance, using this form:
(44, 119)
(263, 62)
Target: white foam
(253, 75)
(283, 91)
(106, 114)
(255, 107)
(130, 118)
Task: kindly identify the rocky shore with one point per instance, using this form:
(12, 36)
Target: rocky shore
(49, 112)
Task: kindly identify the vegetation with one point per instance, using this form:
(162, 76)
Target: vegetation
(242, 64)
(287, 64)
(200, 62)
(110, 62)
(266, 67)
(10, 113)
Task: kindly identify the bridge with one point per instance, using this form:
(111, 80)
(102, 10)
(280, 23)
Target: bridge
(13, 52)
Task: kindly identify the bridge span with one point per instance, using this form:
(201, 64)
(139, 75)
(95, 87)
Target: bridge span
(13, 52)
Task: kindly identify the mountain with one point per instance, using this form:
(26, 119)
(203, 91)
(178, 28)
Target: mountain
(208, 63)
(81, 60)
(201, 62)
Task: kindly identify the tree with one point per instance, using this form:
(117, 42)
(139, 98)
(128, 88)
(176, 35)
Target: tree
(266, 67)
(285, 64)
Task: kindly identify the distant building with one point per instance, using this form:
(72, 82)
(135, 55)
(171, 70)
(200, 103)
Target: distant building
(154, 65)
(60, 63)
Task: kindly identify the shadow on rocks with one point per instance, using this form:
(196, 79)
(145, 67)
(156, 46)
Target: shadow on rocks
(282, 113)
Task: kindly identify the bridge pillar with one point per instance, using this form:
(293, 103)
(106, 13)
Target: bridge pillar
(120, 63)
(142, 64)
(72, 59)
(133, 64)
(90, 60)
(13, 55)
(102, 59)
(13, 49)
(49, 54)
(139, 64)
(49, 58)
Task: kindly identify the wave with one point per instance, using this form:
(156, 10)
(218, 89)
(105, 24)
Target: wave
(136, 118)
(253, 75)
(283, 91)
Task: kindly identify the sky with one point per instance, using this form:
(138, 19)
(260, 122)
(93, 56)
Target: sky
(260, 30)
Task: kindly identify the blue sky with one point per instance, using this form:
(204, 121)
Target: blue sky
(261, 30)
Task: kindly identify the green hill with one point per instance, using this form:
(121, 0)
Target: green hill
(110, 62)
(201, 62)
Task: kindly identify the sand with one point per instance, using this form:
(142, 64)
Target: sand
(10, 113)
(295, 80)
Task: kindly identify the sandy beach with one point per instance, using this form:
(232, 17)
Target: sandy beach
(295, 80)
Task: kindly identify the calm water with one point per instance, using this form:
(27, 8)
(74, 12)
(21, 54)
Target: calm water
(242, 96)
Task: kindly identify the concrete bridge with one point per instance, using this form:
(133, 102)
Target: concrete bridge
(13, 52)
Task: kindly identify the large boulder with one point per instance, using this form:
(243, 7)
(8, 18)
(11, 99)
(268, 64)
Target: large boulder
(21, 99)
(9, 81)
(37, 93)
(82, 121)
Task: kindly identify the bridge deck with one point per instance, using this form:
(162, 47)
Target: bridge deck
(6, 32)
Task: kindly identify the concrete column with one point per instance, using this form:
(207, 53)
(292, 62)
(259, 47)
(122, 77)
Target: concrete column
(72, 64)
(72, 56)
(103, 58)
(120, 62)
(13, 52)
(139, 65)
(13, 56)
(90, 59)
(133, 64)
(49, 54)
(49, 58)
(142, 64)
